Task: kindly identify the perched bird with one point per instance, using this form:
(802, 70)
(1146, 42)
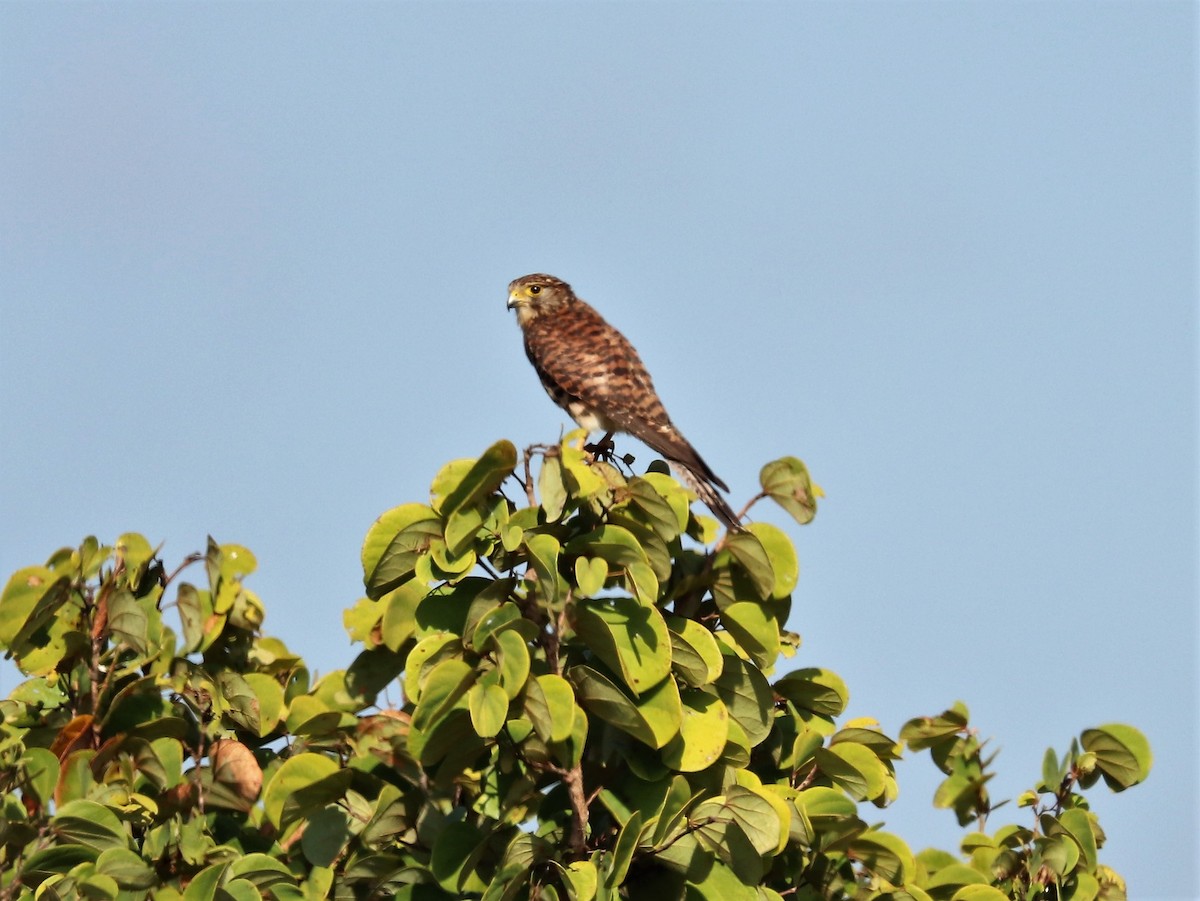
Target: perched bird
(590, 370)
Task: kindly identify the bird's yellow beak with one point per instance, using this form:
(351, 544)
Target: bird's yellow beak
(515, 299)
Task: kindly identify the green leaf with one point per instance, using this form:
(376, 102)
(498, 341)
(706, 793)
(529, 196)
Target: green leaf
(29, 605)
(452, 862)
(393, 545)
(1058, 854)
(310, 716)
(488, 705)
(654, 719)
(135, 550)
(240, 702)
(236, 562)
(560, 704)
(25, 588)
(979, 893)
(138, 704)
(886, 855)
(674, 494)
(618, 546)
(754, 629)
(41, 769)
(586, 481)
(758, 818)
(642, 583)
(658, 555)
(449, 563)
(205, 884)
(954, 875)
(649, 505)
(21, 594)
(819, 691)
(926, 731)
(720, 883)
(581, 879)
(748, 696)
(91, 824)
(451, 736)
(483, 477)
(776, 796)
(446, 684)
(782, 554)
(631, 639)
(511, 537)
(462, 528)
(543, 556)
(590, 575)
(1051, 775)
(128, 869)
(569, 751)
(513, 654)
(195, 610)
(1077, 825)
(622, 853)
(702, 734)
(752, 557)
(853, 767)
(326, 833)
(492, 623)
(1122, 754)
(370, 673)
(269, 695)
(129, 622)
(429, 651)
(786, 482)
(695, 654)
(262, 870)
(54, 861)
(303, 784)
(551, 489)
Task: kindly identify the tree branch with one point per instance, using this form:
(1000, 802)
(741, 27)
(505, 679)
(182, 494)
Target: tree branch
(573, 780)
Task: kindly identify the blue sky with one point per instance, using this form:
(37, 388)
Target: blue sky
(252, 281)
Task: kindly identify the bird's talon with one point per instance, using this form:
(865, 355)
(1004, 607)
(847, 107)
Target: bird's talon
(601, 450)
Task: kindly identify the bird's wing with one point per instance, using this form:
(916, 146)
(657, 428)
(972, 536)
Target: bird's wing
(580, 357)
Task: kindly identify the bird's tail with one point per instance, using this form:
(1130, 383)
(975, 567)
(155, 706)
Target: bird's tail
(711, 497)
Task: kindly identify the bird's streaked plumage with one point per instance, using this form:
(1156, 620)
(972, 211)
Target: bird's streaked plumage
(592, 371)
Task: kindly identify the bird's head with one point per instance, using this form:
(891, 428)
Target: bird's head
(535, 295)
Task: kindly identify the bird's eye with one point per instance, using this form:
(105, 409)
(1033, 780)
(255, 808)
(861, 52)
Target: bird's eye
(535, 289)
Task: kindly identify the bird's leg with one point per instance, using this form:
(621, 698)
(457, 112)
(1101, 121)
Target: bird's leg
(602, 449)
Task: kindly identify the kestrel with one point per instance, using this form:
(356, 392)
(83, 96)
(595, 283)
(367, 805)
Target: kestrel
(592, 371)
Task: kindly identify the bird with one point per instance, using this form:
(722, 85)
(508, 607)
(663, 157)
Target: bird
(592, 371)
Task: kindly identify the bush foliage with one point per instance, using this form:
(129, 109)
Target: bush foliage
(590, 706)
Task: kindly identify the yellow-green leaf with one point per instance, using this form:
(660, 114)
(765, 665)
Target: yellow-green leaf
(488, 705)
(855, 768)
(630, 638)
(786, 481)
(702, 734)
(782, 554)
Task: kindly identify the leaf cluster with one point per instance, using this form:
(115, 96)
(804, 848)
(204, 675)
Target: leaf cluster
(567, 688)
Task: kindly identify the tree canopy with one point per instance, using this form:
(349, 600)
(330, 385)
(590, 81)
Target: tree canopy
(570, 687)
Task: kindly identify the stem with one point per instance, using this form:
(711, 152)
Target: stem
(573, 779)
(691, 827)
(187, 561)
(807, 780)
(529, 452)
(750, 503)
